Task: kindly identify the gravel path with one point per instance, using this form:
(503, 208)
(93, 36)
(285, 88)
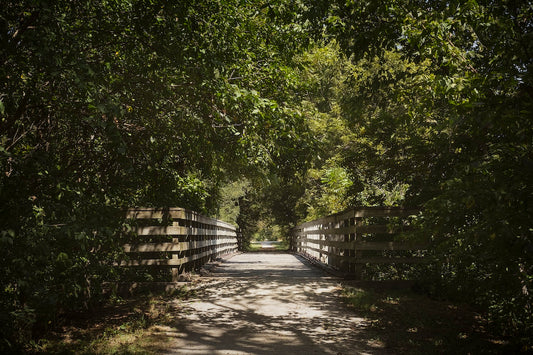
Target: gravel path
(268, 303)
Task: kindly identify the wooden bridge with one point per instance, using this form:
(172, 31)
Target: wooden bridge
(280, 302)
(345, 242)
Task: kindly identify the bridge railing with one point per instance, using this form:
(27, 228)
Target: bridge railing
(351, 240)
(176, 238)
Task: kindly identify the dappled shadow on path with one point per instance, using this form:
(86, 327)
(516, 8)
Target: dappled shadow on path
(264, 304)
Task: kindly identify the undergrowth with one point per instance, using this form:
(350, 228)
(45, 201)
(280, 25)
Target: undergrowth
(408, 322)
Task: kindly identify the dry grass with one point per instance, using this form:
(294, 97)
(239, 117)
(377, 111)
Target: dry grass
(124, 327)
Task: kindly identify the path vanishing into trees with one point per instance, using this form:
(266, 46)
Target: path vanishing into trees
(265, 303)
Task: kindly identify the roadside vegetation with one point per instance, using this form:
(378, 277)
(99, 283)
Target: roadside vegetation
(265, 113)
(409, 322)
(127, 325)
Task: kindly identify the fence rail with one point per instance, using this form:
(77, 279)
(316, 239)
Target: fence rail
(349, 240)
(177, 238)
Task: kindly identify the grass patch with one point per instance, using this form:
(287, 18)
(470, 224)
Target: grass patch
(411, 323)
(360, 299)
(254, 246)
(278, 246)
(283, 245)
(121, 327)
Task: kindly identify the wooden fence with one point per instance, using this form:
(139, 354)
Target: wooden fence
(177, 238)
(350, 240)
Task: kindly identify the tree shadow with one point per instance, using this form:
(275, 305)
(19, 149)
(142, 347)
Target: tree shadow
(278, 305)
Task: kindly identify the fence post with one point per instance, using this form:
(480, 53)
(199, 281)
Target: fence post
(358, 267)
(291, 239)
(175, 270)
(344, 252)
(349, 238)
(240, 241)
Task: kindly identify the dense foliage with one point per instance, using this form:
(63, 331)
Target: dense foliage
(438, 99)
(265, 113)
(112, 104)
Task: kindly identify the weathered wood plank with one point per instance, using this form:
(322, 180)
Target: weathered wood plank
(168, 262)
(154, 262)
(161, 230)
(369, 229)
(175, 247)
(322, 251)
(360, 212)
(196, 217)
(180, 230)
(176, 214)
(335, 218)
(210, 232)
(359, 245)
(329, 243)
(155, 213)
(311, 241)
(330, 231)
(151, 247)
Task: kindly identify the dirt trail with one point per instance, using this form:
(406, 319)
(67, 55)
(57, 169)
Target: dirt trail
(267, 303)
